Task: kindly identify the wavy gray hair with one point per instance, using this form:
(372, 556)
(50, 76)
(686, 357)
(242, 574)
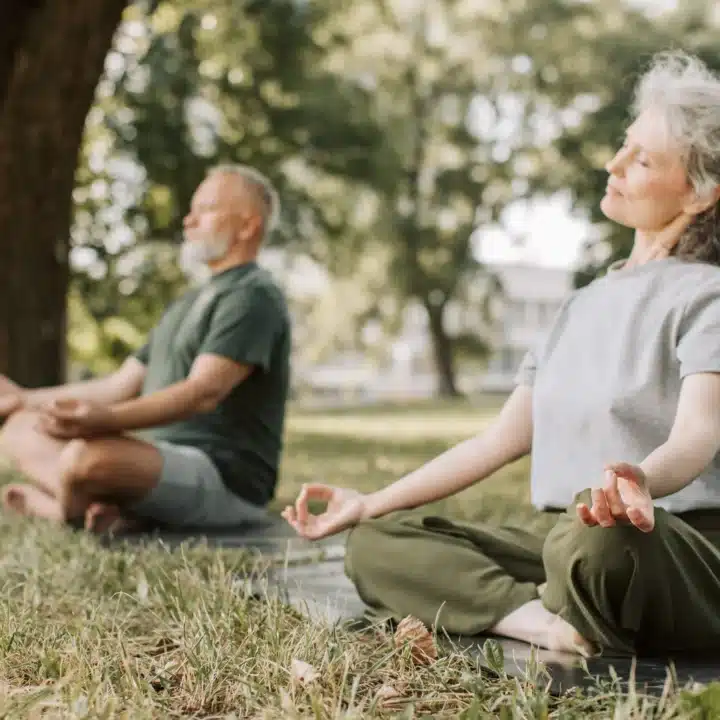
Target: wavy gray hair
(687, 94)
(266, 194)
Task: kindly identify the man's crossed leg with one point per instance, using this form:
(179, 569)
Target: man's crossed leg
(80, 479)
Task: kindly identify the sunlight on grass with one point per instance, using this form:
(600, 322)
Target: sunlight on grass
(451, 422)
(142, 632)
(367, 450)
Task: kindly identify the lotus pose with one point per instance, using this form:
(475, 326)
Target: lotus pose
(187, 433)
(619, 409)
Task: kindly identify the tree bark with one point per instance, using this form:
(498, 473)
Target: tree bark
(50, 63)
(442, 351)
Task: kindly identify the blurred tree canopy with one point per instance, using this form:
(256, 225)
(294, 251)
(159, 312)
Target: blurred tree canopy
(398, 133)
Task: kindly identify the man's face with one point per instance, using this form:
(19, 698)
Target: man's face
(215, 222)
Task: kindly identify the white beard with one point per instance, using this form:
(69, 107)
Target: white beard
(197, 253)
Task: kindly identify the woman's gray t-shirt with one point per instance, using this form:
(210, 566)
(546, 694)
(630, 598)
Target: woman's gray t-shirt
(606, 379)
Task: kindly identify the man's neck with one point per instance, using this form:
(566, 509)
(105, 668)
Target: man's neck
(233, 260)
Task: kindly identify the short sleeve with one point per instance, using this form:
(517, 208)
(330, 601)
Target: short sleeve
(698, 347)
(533, 357)
(143, 354)
(526, 372)
(244, 327)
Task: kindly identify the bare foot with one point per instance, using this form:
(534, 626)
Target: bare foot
(533, 624)
(107, 518)
(563, 637)
(23, 499)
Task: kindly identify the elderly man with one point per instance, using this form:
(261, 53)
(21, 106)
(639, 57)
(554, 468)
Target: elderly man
(188, 432)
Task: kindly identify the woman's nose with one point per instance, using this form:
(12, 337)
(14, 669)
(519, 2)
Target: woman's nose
(616, 164)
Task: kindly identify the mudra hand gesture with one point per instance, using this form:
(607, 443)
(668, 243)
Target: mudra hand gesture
(345, 508)
(625, 498)
(67, 419)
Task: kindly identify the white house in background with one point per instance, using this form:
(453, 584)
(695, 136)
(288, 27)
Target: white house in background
(522, 312)
(531, 297)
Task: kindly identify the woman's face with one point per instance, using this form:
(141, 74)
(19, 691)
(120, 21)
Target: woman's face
(648, 185)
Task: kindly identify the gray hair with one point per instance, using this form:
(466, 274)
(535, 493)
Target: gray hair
(687, 94)
(266, 194)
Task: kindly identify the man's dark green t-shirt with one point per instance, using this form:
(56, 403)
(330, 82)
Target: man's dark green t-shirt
(240, 314)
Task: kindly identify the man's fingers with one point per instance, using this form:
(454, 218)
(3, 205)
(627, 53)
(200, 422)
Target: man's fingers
(600, 508)
(67, 411)
(54, 427)
(585, 515)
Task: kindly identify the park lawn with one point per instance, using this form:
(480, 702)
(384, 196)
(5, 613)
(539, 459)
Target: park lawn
(145, 633)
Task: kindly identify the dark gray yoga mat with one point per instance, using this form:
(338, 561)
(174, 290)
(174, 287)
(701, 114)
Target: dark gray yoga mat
(309, 576)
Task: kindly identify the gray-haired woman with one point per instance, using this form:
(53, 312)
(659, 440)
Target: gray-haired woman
(623, 397)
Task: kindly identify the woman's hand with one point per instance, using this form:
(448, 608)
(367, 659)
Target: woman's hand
(625, 498)
(345, 508)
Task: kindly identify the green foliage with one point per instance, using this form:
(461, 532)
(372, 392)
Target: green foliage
(396, 136)
(193, 85)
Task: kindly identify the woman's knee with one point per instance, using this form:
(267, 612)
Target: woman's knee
(363, 551)
(594, 557)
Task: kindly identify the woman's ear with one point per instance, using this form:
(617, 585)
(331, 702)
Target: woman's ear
(700, 203)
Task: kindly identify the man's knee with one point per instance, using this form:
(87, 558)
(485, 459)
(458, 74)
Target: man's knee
(80, 462)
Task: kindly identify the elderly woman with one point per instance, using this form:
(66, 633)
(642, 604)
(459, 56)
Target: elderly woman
(622, 396)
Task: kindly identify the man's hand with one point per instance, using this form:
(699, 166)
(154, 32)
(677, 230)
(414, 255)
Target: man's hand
(345, 508)
(11, 396)
(625, 498)
(68, 419)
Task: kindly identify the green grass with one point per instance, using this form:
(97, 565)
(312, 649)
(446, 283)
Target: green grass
(145, 633)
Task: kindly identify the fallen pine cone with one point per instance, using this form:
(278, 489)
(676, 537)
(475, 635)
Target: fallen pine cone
(412, 632)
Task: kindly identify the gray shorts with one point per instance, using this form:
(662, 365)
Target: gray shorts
(191, 493)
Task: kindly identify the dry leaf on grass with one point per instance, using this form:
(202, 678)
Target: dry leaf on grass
(302, 673)
(412, 632)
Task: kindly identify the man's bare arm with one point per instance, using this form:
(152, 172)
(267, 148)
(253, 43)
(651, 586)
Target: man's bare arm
(694, 440)
(123, 384)
(210, 380)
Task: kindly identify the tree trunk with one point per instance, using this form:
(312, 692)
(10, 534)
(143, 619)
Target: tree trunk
(442, 351)
(49, 68)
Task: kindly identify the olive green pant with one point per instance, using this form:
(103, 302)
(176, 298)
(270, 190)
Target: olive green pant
(626, 591)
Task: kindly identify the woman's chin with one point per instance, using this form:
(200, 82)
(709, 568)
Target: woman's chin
(612, 212)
